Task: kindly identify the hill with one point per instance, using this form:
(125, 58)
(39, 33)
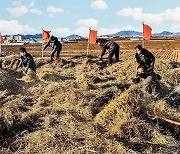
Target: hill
(164, 33)
(79, 105)
(127, 34)
(135, 33)
(118, 34)
(73, 36)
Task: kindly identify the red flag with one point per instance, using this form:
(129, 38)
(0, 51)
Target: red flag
(92, 36)
(147, 32)
(1, 39)
(46, 35)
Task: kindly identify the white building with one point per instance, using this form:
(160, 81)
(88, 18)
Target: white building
(18, 38)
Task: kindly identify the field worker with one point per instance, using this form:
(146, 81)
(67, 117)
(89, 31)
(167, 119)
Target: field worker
(111, 46)
(56, 46)
(148, 80)
(145, 58)
(26, 61)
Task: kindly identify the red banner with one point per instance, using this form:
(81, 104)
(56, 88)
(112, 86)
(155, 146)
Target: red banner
(46, 35)
(92, 36)
(147, 32)
(1, 39)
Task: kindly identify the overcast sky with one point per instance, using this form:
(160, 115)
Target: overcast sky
(65, 17)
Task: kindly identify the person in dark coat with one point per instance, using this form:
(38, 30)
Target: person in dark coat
(26, 61)
(56, 47)
(111, 46)
(145, 58)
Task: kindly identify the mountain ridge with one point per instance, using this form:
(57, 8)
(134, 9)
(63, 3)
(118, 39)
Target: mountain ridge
(125, 33)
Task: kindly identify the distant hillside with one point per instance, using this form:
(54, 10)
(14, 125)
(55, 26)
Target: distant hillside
(127, 33)
(135, 33)
(178, 33)
(118, 34)
(73, 36)
(164, 33)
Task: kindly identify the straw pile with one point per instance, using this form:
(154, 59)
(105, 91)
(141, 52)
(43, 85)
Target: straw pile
(78, 105)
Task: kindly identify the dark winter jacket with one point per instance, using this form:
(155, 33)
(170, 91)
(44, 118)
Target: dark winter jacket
(145, 58)
(109, 45)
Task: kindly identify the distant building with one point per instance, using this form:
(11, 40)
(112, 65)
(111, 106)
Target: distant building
(9, 38)
(18, 38)
(72, 37)
(12, 40)
(105, 36)
(136, 38)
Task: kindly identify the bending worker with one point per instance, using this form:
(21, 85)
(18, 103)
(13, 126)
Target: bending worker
(113, 48)
(56, 47)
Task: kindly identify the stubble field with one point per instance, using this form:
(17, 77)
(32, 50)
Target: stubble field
(81, 105)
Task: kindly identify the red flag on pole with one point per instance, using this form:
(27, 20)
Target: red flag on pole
(92, 36)
(45, 35)
(147, 35)
(1, 39)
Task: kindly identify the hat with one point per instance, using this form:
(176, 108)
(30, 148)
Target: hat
(22, 49)
(52, 37)
(98, 40)
(139, 46)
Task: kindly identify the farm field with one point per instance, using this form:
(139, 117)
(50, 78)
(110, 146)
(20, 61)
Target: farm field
(79, 105)
(163, 49)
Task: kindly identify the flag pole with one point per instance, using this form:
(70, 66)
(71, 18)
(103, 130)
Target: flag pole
(42, 49)
(143, 34)
(88, 42)
(42, 52)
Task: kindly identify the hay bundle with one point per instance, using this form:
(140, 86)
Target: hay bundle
(100, 102)
(83, 79)
(93, 64)
(49, 77)
(45, 70)
(123, 71)
(29, 77)
(135, 129)
(7, 60)
(7, 82)
(163, 66)
(119, 109)
(41, 62)
(172, 77)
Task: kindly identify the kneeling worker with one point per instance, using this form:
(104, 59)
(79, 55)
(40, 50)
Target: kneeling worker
(149, 80)
(113, 48)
